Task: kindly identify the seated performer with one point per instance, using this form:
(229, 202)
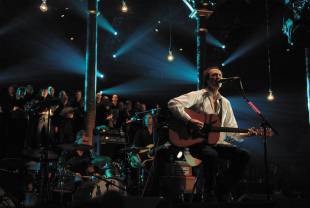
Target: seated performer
(150, 146)
(210, 101)
(79, 160)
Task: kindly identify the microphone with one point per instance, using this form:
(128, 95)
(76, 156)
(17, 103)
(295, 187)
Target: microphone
(228, 79)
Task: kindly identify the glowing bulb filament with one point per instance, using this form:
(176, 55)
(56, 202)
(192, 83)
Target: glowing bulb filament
(43, 6)
(170, 57)
(270, 96)
(124, 7)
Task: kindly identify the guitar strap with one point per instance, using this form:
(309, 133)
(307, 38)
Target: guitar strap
(220, 111)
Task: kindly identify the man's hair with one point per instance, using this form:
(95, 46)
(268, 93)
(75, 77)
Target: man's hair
(205, 74)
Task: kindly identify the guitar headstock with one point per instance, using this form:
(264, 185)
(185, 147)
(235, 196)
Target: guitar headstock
(260, 132)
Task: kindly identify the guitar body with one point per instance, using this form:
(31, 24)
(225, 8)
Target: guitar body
(182, 135)
(145, 155)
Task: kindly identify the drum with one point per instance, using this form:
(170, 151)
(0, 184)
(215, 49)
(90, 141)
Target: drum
(134, 160)
(112, 170)
(5, 200)
(138, 160)
(96, 188)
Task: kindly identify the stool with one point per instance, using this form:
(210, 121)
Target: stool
(194, 162)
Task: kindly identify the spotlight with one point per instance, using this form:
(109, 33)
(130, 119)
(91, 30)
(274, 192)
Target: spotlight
(114, 55)
(100, 75)
(62, 16)
(180, 154)
(156, 30)
(115, 33)
(170, 57)
(43, 6)
(222, 64)
(124, 8)
(181, 49)
(71, 38)
(223, 46)
(270, 96)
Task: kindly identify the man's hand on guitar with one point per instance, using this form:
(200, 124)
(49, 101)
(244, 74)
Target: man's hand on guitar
(259, 132)
(252, 132)
(196, 123)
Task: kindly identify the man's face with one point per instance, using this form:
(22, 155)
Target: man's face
(214, 76)
(148, 120)
(44, 92)
(114, 98)
(82, 140)
(78, 95)
(11, 90)
(98, 96)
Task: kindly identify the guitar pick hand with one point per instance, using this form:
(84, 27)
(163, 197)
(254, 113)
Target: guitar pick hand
(196, 123)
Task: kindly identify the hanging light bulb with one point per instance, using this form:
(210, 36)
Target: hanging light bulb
(170, 56)
(270, 96)
(43, 6)
(124, 7)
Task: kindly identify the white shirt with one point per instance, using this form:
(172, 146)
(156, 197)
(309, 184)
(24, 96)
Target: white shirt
(200, 101)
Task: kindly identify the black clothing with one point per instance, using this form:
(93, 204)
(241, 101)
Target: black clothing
(152, 169)
(77, 163)
(143, 138)
(78, 120)
(210, 155)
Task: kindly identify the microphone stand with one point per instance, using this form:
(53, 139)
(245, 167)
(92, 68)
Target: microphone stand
(264, 124)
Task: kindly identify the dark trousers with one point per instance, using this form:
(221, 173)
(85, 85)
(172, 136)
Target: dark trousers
(211, 155)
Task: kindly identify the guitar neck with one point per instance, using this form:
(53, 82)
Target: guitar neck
(228, 129)
(163, 146)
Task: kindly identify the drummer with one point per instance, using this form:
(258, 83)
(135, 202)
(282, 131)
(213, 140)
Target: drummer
(79, 160)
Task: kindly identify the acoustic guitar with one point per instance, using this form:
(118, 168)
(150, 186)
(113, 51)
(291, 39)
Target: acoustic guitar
(182, 134)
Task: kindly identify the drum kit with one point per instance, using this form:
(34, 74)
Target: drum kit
(49, 176)
(45, 176)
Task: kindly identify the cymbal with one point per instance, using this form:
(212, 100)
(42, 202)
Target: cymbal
(132, 149)
(37, 154)
(76, 161)
(100, 160)
(13, 163)
(71, 147)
